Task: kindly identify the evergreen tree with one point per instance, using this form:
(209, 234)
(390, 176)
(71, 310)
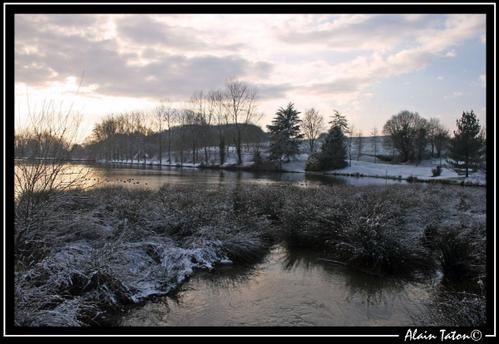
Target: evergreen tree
(285, 133)
(466, 145)
(333, 151)
(339, 121)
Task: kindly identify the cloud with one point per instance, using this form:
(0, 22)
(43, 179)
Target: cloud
(340, 85)
(329, 58)
(165, 35)
(271, 91)
(364, 70)
(147, 30)
(46, 56)
(451, 53)
(361, 32)
(482, 80)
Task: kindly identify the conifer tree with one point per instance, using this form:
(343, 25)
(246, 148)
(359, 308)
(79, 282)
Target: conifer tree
(333, 151)
(467, 143)
(285, 133)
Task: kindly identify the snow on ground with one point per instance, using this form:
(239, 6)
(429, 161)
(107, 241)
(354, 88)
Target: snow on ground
(366, 166)
(422, 171)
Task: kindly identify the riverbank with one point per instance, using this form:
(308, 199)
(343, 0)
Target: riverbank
(411, 173)
(86, 255)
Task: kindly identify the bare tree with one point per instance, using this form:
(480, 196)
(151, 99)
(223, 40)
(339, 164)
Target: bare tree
(204, 111)
(217, 108)
(241, 110)
(182, 118)
(194, 116)
(374, 135)
(408, 133)
(441, 139)
(437, 135)
(359, 144)
(159, 114)
(138, 133)
(421, 138)
(43, 168)
(312, 125)
(170, 118)
(350, 131)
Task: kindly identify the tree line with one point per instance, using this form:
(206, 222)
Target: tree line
(218, 118)
(407, 132)
(203, 130)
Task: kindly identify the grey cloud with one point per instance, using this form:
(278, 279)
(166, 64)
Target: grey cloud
(341, 85)
(72, 20)
(146, 30)
(374, 31)
(272, 91)
(115, 73)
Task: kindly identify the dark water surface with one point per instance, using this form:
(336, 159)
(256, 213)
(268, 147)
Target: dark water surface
(288, 288)
(154, 177)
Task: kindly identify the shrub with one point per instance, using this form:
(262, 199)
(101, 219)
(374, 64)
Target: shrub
(436, 171)
(86, 253)
(412, 179)
(313, 163)
(461, 251)
(257, 158)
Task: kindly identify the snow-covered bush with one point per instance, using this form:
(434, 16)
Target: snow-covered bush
(460, 248)
(313, 163)
(94, 252)
(375, 227)
(312, 217)
(88, 254)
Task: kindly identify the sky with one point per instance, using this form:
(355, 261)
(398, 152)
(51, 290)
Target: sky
(367, 66)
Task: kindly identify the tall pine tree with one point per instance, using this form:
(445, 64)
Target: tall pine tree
(466, 145)
(285, 133)
(333, 152)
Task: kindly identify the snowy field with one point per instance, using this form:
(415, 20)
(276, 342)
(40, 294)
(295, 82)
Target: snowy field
(422, 171)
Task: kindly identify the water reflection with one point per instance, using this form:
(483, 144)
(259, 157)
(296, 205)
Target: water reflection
(289, 288)
(154, 177)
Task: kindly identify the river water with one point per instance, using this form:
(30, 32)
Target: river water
(154, 177)
(289, 287)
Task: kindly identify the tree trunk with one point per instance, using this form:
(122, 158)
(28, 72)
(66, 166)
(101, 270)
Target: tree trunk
(169, 147)
(221, 150)
(160, 151)
(238, 147)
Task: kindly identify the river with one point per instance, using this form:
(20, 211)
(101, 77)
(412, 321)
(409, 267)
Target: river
(290, 287)
(153, 177)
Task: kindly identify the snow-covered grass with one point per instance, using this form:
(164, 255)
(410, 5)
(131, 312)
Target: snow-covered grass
(363, 165)
(422, 171)
(99, 250)
(86, 254)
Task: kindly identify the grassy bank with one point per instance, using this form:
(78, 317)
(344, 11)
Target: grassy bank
(81, 255)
